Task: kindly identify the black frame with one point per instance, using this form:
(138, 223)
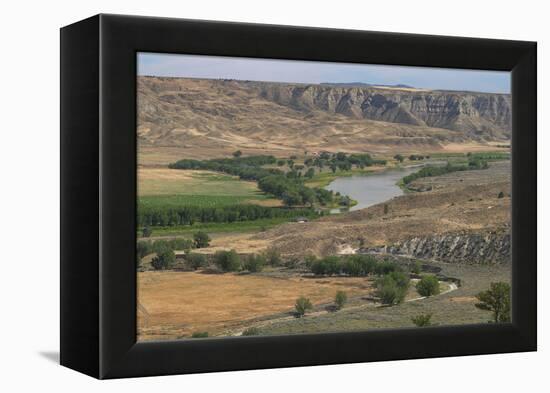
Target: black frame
(98, 183)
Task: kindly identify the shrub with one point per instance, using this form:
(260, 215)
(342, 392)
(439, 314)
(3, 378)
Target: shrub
(181, 244)
(228, 261)
(272, 256)
(143, 248)
(392, 288)
(310, 260)
(302, 306)
(428, 286)
(237, 153)
(254, 263)
(292, 263)
(497, 300)
(400, 278)
(251, 331)
(386, 267)
(422, 320)
(199, 335)
(196, 261)
(416, 267)
(500, 195)
(164, 260)
(389, 293)
(326, 266)
(340, 299)
(201, 239)
(161, 246)
(146, 232)
(359, 265)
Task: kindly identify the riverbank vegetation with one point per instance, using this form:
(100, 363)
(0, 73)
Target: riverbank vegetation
(289, 186)
(430, 171)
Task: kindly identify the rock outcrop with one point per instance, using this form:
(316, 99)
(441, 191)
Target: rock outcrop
(477, 114)
(487, 248)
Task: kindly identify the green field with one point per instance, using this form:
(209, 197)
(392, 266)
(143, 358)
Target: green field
(175, 201)
(163, 187)
(222, 227)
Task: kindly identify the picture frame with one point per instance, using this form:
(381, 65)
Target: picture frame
(98, 189)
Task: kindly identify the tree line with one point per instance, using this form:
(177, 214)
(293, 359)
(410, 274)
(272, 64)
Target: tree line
(342, 161)
(289, 187)
(357, 265)
(429, 171)
(189, 215)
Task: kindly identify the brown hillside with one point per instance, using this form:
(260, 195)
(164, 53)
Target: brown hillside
(261, 116)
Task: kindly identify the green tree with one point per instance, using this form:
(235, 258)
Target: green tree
(386, 208)
(201, 239)
(146, 231)
(302, 306)
(428, 286)
(310, 173)
(399, 157)
(196, 261)
(497, 300)
(500, 195)
(280, 163)
(422, 320)
(237, 153)
(228, 261)
(164, 260)
(254, 263)
(181, 244)
(291, 198)
(392, 288)
(340, 299)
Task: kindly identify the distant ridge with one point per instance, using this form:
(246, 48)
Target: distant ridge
(363, 84)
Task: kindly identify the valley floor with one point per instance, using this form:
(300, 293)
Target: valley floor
(178, 304)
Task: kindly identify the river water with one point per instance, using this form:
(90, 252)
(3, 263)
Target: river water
(370, 189)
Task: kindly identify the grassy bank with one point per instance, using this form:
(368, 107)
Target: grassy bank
(212, 228)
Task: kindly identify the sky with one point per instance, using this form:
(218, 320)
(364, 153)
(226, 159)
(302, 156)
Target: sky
(293, 71)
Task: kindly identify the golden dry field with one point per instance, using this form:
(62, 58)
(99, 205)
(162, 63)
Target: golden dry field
(176, 304)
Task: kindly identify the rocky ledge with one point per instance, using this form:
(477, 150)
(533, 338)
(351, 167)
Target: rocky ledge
(486, 248)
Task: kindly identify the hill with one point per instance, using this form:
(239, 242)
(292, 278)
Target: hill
(204, 115)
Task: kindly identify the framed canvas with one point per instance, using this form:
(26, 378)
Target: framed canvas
(239, 196)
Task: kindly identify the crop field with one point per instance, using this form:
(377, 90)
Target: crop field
(162, 187)
(177, 304)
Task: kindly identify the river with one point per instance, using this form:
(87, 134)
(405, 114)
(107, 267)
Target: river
(371, 189)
